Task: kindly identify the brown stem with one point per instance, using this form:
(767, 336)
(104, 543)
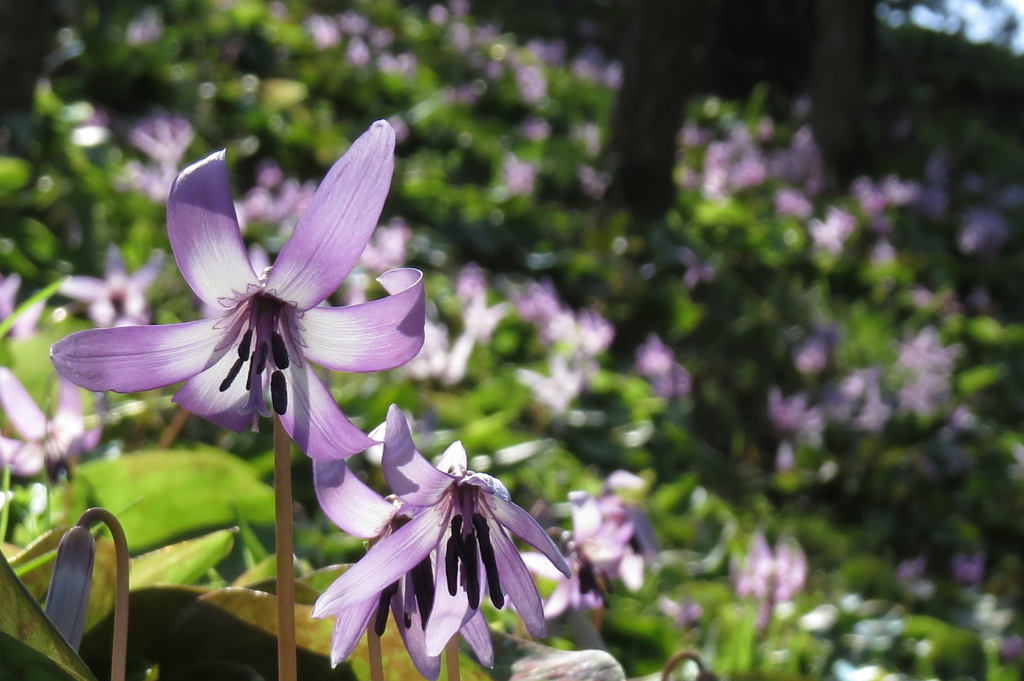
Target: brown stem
(286, 664)
(169, 435)
(119, 648)
(703, 673)
(373, 653)
(451, 658)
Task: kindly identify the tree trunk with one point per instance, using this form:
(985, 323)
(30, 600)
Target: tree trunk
(26, 37)
(663, 49)
(842, 52)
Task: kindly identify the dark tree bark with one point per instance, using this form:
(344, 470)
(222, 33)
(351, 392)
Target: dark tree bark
(26, 37)
(844, 44)
(663, 49)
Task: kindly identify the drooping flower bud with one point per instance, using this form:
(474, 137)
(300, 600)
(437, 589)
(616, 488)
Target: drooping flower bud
(68, 596)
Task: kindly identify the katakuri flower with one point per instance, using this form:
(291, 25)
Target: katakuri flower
(360, 511)
(49, 441)
(119, 299)
(460, 517)
(272, 328)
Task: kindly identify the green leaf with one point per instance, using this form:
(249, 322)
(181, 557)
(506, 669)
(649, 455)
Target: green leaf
(181, 563)
(165, 494)
(15, 174)
(978, 378)
(30, 646)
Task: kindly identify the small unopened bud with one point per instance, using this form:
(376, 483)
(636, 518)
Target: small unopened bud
(68, 596)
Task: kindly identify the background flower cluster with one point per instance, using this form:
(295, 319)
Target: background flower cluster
(779, 426)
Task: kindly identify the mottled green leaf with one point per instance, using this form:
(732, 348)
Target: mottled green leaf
(165, 494)
(181, 563)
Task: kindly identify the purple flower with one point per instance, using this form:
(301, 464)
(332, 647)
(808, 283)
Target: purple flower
(983, 233)
(911, 570)
(789, 201)
(1010, 649)
(830, 235)
(461, 518)
(683, 613)
(25, 326)
(164, 138)
(969, 570)
(697, 270)
(596, 551)
(792, 416)
(517, 175)
(43, 441)
(769, 577)
(271, 325)
(360, 511)
(119, 299)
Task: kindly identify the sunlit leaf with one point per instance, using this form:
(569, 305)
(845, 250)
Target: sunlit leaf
(181, 563)
(165, 494)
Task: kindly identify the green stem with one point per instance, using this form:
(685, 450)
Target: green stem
(451, 658)
(286, 663)
(373, 653)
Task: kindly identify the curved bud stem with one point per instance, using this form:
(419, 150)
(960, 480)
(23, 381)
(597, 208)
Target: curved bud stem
(703, 673)
(119, 648)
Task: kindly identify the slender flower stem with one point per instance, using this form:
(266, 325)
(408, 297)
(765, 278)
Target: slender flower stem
(286, 664)
(451, 658)
(672, 663)
(5, 510)
(119, 648)
(169, 435)
(373, 653)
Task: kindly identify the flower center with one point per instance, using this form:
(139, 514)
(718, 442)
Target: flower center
(263, 348)
(470, 544)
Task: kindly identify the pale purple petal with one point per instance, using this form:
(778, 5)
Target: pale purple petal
(526, 527)
(449, 614)
(115, 263)
(147, 274)
(454, 458)
(202, 395)
(414, 637)
(518, 583)
(374, 336)
(478, 636)
(337, 224)
(385, 562)
(85, 289)
(631, 570)
(205, 236)
(24, 459)
(314, 420)
(408, 474)
(25, 326)
(540, 565)
(133, 358)
(349, 628)
(69, 402)
(22, 411)
(586, 515)
(560, 599)
(348, 501)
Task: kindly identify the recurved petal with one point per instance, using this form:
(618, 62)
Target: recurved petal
(349, 628)
(204, 233)
(518, 582)
(348, 501)
(478, 636)
(25, 415)
(409, 475)
(133, 358)
(384, 563)
(336, 226)
(524, 526)
(83, 288)
(374, 336)
(314, 420)
(23, 458)
(586, 515)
